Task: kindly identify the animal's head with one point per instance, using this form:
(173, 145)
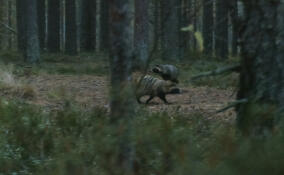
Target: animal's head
(157, 69)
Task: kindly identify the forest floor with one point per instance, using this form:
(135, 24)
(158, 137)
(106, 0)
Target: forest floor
(87, 86)
(52, 91)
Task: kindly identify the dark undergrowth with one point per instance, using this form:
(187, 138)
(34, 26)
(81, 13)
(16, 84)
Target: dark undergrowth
(72, 141)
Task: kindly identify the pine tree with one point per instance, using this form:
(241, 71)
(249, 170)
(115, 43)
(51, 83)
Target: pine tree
(88, 25)
(221, 34)
(53, 31)
(71, 28)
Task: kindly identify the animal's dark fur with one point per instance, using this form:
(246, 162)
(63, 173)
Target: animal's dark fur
(154, 87)
(167, 72)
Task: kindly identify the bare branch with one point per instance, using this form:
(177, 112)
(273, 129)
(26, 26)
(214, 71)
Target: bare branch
(234, 68)
(8, 27)
(232, 104)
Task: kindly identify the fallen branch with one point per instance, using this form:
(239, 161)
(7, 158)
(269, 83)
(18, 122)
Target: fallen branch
(8, 27)
(234, 68)
(232, 104)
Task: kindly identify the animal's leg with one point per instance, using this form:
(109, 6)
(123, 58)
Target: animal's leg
(163, 97)
(150, 98)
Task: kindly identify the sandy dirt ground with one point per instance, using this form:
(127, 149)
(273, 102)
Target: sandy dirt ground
(88, 91)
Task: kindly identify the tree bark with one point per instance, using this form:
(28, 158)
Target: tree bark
(221, 34)
(32, 45)
(41, 9)
(10, 37)
(141, 33)
(262, 75)
(208, 25)
(21, 25)
(2, 6)
(53, 39)
(233, 10)
(122, 98)
(71, 27)
(170, 30)
(104, 25)
(88, 26)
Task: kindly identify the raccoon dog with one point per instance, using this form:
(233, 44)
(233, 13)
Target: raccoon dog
(154, 87)
(167, 72)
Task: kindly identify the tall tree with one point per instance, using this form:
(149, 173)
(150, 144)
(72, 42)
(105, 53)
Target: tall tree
(10, 37)
(170, 29)
(262, 75)
(104, 25)
(233, 10)
(71, 27)
(2, 6)
(185, 21)
(88, 25)
(53, 39)
(41, 10)
(208, 23)
(141, 32)
(221, 34)
(32, 41)
(122, 98)
(21, 25)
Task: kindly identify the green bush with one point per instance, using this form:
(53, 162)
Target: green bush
(72, 141)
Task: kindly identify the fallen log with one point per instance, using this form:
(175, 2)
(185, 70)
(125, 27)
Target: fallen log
(234, 68)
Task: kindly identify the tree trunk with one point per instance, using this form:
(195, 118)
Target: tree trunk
(262, 75)
(141, 33)
(185, 39)
(32, 45)
(2, 6)
(104, 25)
(21, 25)
(71, 27)
(208, 26)
(10, 37)
(122, 98)
(221, 35)
(88, 26)
(41, 22)
(170, 30)
(53, 39)
(234, 18)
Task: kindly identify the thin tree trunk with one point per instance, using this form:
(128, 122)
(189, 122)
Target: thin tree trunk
(88, 26)
(10, 37)
(2, 6)
(141, 33)
(221, 34)
(170, 30)
(53, 40)
(32, 45)
(234, 18)
(208, 26)
(104, 25)
(262, 75)
(41, 22)
(21, 25)
(185, 39)
(71, 27)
